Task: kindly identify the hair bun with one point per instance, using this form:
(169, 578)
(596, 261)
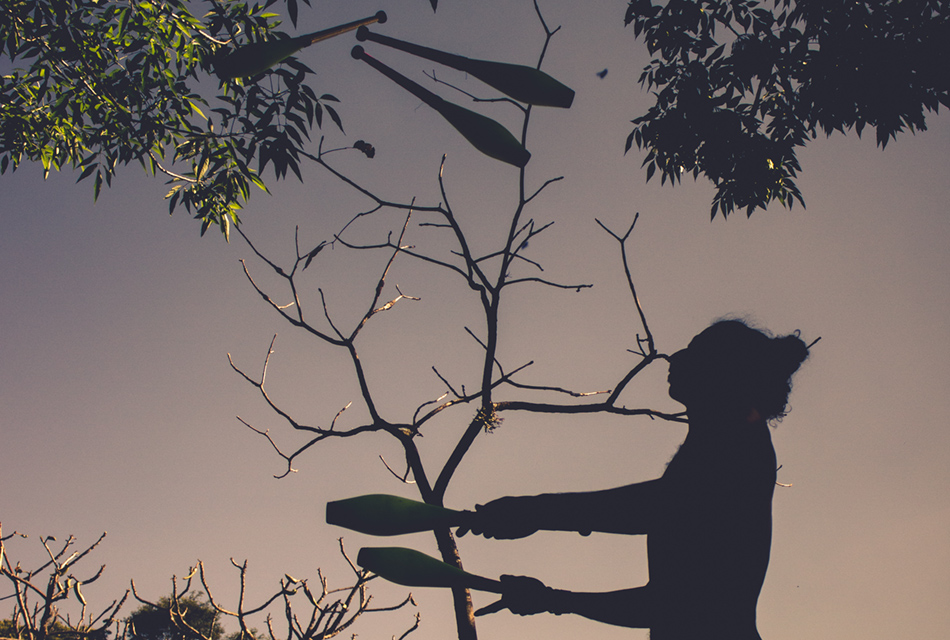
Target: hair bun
(790, 351)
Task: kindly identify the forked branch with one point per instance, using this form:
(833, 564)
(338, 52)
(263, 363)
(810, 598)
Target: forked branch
(38, 594)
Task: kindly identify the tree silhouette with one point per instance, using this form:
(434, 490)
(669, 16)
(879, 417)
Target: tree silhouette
(467, 408)
(169, 618)
(741, 85)
(49, 603)
(269, 126)
(111, 84)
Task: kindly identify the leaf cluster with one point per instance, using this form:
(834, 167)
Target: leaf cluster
(741, 85)
(98, 85)
(150, 622)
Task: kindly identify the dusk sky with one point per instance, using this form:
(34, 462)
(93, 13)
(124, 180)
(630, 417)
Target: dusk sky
(118, 405)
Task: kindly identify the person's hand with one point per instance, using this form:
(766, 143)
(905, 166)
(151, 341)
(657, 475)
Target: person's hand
(521, 595)
(503, 519)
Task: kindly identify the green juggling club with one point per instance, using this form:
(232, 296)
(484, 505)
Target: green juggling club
(522, 83)
(385, 515)
(412, 568)
(483, 133)
(252, 59)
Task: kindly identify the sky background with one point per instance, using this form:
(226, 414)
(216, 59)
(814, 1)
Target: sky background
(117, 403)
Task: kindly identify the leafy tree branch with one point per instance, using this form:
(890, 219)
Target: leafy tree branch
(741, 85)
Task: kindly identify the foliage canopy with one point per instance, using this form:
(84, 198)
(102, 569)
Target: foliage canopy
(741, 85)
(106, 84)
(159, 623)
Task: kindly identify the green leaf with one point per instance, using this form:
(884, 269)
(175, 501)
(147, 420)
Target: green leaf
(292, 11)
(256, 180)
(313, 254)
(124, 14)
(173, 202)
(86, 172)
(195, 108)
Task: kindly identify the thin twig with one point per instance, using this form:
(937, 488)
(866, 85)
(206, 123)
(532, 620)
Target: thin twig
(474, 98)
(404, 478)
(651, 348)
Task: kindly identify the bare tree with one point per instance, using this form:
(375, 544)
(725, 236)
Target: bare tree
(326, 612)
(37, 593)
(38, 596)
(489, 275)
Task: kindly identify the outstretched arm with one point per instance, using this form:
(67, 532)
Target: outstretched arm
(630, 510)
(528, 596)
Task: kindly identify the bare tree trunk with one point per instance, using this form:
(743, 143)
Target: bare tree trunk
(461, 598)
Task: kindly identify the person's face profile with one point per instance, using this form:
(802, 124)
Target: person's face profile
(697, 371)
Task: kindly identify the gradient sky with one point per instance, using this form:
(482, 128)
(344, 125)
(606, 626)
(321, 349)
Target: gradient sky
(117, 404)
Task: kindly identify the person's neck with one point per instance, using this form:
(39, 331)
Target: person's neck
(715, 419)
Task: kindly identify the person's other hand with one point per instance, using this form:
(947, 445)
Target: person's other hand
(521, 595)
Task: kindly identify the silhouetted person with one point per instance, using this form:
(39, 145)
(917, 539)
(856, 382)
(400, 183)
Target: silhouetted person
(708, 518)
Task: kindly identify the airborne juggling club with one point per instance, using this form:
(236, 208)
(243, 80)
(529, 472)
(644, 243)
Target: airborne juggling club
(482, 132)
(525, 84)
(257, 57)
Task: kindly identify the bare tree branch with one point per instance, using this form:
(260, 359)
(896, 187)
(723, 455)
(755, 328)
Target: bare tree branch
(542, 187)
(651, 348)
(453, 253)
(36, 613)
(404, 478)
(474, 98)
(601, 407)
(331, 611)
